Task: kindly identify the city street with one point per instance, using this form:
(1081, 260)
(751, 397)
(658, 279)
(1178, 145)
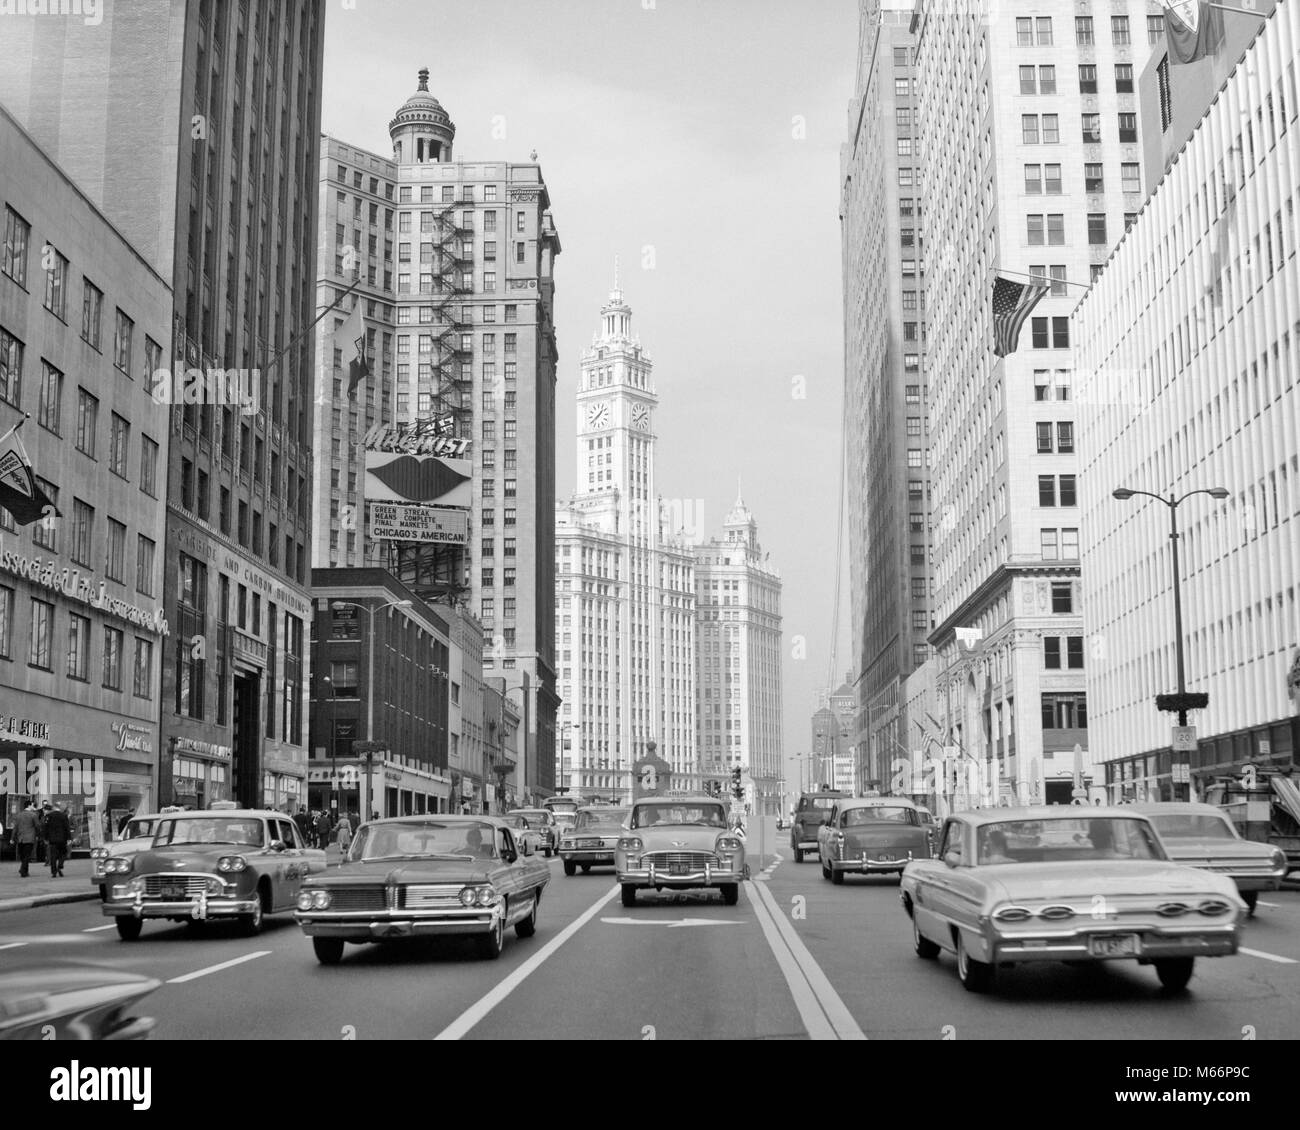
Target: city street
(797, 958)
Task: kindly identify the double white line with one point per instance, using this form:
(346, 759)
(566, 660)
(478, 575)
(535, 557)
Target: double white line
(824, 1015)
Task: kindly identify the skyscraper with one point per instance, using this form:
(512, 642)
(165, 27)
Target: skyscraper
(625, 594)
(887, 409)
(738, 660)
(208, 168)
(1031, 171)
(453, 263)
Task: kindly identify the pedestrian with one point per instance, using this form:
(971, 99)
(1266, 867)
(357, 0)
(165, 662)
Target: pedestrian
(41, 813)
(57, 832)
(323, 828)
(304, 825)
(26, 835)
(344, 833)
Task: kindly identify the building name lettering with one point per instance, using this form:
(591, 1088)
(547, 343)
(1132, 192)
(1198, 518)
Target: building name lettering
(406, 440)
(72, 584)
(133, 737)
(205, 749)
(25, 728)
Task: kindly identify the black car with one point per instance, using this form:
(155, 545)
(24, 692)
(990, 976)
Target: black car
(72, 1002)
(813, 810)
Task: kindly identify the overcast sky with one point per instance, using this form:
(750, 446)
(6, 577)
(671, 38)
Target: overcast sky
(698, 140)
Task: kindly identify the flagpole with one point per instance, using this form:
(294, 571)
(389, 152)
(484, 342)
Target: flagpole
(1041, 280)
(13, 431)
(307, 329)
(1242, 11)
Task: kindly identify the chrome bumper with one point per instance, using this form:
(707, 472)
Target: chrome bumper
(650, 876)
(865, 864)
(1152, 946)
(378, 925)
(214, 906)
(588, 855)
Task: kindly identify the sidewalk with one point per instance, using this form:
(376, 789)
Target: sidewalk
(39, 888)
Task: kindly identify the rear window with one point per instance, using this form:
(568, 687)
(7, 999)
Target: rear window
(817, 805)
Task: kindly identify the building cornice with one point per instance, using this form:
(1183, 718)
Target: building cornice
(1000, 578)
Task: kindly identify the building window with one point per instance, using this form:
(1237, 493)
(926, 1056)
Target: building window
(117, 447)
(1074, 653)
(1043, 25)
(11, 368)
(1052, 653)
(920, 620)
(144, 561)
(92, 302)
(914, 457)
(78, 647)
(345, 679)
(6, 621)
(1097, 228)
(1029, 129)
(1047, 80)
(1069, 494)
(1093, 179)
(1070, 544)
(1087, 78)
(56, 287)
(87, 420)
(1092, 129)
(143, 677)
(191, 623)
(1130, 177)
(1065, 712)
(1061, 333)
(122, 343)
(1062, 597)
(1052, 180)
(1033, 180)
(115, 552)
(1046, 490)
(1128, 130)
(1038, 327)
(148, 466)
(83, 528)
(113, 659)
(45, 532)
(1034, 229)
(1124, 78)
(38, 651)
(1049, 545)
(1057, 269)
(1065, 436)
(17, 233)
(1119, 30)
(1056, 225)
(1028, 79)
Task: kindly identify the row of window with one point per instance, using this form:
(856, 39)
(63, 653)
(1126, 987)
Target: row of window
(41, 643)
(1037, 31)
(1059, 544)
(1057, 490)
(1042, 80)
(1045, 129)
(1064, 437)
(1046, 179)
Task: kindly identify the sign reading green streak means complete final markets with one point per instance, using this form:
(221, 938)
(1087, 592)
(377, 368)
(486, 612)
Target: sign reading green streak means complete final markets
(419, 523)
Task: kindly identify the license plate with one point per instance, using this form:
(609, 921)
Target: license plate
(1114, 945)
(677, 869)
(886, 856)
(172, 891)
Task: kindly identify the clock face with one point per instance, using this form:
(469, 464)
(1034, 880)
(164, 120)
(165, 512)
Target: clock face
(641, 417)
(598, 415)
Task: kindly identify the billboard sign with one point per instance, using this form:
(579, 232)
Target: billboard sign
(419, 523)
(394, 477)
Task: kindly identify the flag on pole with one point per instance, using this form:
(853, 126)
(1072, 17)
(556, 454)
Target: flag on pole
(1013, 302)
(19, 492)
(350, 339)
(1193, 29)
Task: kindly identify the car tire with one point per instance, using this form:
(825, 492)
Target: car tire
(128, 928)
(103, 892)
(925, 949)
(798, 855)
(975, 976)
(570, 867)
(527, 927)
(493, 942)
(548, 852)
(629, 895)
(730, 893)
(1250, 898)
(826, 871)
(329, 951)
(837, 877)
(250, 925)
(1175, 972)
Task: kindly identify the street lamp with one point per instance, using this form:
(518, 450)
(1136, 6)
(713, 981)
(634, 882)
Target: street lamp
(1182, 702)
(338, 605)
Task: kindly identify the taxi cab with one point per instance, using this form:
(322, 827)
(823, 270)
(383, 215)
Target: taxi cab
(677, 842)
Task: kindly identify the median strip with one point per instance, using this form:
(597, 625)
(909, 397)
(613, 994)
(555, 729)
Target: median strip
(217, 968)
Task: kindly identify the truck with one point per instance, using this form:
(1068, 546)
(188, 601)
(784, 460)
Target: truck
(1264, 805)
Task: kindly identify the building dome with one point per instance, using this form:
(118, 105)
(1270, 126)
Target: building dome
(422, 131)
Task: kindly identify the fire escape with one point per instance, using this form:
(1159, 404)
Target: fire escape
(445, 405)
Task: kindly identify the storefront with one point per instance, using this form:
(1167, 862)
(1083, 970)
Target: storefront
(348, 783)
(200, 772)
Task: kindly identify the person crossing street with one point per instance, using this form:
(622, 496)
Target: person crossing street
(26, 835)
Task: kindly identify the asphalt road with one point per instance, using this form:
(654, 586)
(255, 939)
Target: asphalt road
(797, 958)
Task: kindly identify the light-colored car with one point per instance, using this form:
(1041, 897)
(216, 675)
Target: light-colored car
(236, 863)
(871, 836)
(546, 833)
(135, 836)
(1201, 835)
(564, 822)
(592, 839)
(421, 876)
(679, 842)
(1068, 884)
(525, 833)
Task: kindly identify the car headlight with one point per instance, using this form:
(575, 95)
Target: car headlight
(116, 865)
(136, 885)
(232, 864)
(629, 843)
(486, 896)
(1279, 857)
(99, 853)
(728, 843)
(467, 896)
(320, 899)
(566, 843)
(304, 900)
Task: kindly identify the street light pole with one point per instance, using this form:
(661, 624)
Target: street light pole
(1178, 613)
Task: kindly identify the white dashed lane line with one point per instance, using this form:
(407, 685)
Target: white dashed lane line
(217, 968)
(96, 929)
(1268, 956)
(12, 945)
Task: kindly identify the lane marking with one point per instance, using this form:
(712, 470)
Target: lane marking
(1274, 905)
(12, 945)
(96, 929)
(217, 968)
(480, 1008)
(811, 1015)
(671, 925)
(1268, 956)
(846, 1028)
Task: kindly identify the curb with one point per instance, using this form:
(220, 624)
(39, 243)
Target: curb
(46, 900)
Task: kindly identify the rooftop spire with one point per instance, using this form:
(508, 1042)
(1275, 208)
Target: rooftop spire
(424, 79)
(616, 286)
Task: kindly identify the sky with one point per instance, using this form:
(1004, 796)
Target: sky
(698, 140)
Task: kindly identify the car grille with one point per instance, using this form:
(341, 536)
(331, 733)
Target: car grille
(193, 885)
(357, 898)
(695, 860)
(431, 896)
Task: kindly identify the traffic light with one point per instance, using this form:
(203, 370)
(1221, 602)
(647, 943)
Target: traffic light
(737, 789)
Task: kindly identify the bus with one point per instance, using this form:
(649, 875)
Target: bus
(568, 803)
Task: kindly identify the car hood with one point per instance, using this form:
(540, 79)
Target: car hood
(128, 848)
(408, 871)
(198, 858)
(679, 837)
(1217, 851)
(1091, 878)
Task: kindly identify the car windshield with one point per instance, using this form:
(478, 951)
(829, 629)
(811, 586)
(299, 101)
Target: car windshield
(1192, 826)
(516, 821)
(463, 839)
(210, 830)
(817, 805)
(650, 815)
(610, 821)
(532, 815)
(138, 828)
(877, 814)
(1066, 841)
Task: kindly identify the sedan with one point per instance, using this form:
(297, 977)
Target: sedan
(679, 843)
(73, 1002)
(1201, 835)
(424, 876)
(1065, 884)
(871, 836)
(592, 840)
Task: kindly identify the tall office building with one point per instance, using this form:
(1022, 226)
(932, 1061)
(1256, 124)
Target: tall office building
(1190, 353)
(887, 411)
(625, 590)
(194, 128)
(738, 660)
(1031, 169)
(454, 262)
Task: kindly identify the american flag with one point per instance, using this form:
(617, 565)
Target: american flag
(1013, 302)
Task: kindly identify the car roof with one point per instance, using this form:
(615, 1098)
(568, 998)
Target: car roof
(1179, 807)
(878, 801)
(440, 818)
(690, 798)
(1048, 812)
(824, 792)
(225, 814)
(610, 807)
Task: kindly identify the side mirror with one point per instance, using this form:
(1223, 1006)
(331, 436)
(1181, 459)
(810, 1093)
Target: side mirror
(952, 858)
(526, 848)
(279, 845)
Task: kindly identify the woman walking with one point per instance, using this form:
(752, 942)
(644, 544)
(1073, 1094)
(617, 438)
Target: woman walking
(344, 833)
